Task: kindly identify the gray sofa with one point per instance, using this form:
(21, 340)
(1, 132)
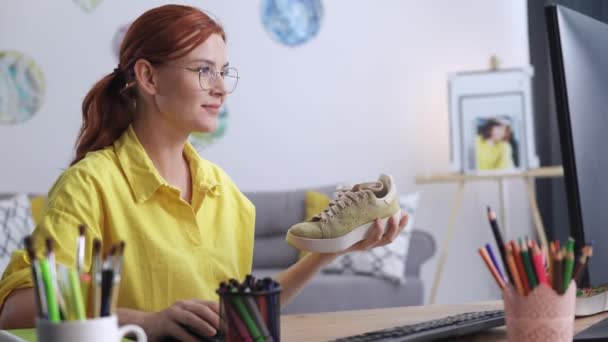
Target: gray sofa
(277, 211)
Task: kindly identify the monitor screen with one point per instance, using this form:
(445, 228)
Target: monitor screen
(578, 47)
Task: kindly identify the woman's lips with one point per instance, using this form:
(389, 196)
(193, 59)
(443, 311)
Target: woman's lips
(213, 109)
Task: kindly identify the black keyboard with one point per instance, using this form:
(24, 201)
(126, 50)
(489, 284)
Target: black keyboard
(447, 327)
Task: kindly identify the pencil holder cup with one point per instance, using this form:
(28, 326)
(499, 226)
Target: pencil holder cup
(104, 329)
(250, 316)
(542, 315)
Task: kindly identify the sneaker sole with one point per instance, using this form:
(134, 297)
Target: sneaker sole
(336, 244)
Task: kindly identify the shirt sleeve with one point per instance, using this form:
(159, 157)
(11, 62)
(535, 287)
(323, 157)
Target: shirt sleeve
(73, 200)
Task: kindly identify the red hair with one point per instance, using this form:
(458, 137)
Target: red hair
(159, 35)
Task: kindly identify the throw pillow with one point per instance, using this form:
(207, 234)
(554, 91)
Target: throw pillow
(316, 202)
(15, 223)
(386, 262)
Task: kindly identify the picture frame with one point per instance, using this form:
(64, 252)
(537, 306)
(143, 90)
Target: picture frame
(491, 123)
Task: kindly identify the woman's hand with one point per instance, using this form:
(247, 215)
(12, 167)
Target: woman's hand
(183, 321)
(375, 238)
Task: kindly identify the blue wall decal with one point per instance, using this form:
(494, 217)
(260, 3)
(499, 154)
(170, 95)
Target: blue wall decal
(292, 22)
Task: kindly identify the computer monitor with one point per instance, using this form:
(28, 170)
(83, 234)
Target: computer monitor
(578, 47)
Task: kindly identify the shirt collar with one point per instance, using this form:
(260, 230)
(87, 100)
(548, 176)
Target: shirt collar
(204, 177)
(144, 178)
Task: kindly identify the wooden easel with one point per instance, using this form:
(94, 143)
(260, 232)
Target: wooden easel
(529, 177)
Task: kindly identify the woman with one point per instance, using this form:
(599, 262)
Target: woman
(492, 149)
(135, 178)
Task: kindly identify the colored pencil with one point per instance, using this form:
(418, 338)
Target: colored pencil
(537, 258)
(558, 272)
(582, 261)
(520, 268)
(568, 266)
(486, 258)
(494, 261)
(513, 268)
(499, 241)
(527, 260)
(550, 262)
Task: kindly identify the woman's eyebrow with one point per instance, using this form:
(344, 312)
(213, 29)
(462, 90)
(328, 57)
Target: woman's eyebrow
(208, 61)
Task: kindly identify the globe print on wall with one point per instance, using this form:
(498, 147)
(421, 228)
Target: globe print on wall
(201, 141)
(87, 5)
(292, 22)
(22, 87)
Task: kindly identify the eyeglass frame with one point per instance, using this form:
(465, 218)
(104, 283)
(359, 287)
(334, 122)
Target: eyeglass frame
(199, 71)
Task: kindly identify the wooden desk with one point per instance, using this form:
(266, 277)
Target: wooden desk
(327, 326)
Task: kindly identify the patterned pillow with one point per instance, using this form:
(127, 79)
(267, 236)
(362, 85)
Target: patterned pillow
(15, 223)
(386, 262)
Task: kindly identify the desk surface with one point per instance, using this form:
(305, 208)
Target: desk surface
(327, 326)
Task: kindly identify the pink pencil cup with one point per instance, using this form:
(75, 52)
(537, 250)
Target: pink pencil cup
(542, 315)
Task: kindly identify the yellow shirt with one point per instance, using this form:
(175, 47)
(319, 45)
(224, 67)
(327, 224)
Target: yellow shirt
(493, 156)
(173, 250)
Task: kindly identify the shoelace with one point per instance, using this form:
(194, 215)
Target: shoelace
(346, 197)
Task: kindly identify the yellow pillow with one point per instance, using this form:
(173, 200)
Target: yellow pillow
(37, 204)
(315, 203)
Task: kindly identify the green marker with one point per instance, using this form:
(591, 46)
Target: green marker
(249, 323)
(47, 280)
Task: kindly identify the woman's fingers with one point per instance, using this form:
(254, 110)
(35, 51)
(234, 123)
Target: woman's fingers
(391, 231)
(374, 236)
(405, 218)
(208, 314)
(215, 306)
(379, 236)
(187, 315)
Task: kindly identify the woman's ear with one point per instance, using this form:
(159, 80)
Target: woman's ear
(146, 77)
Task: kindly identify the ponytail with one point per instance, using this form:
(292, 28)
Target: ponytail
(107, 111)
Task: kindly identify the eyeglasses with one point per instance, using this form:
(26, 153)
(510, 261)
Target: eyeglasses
(207, 75)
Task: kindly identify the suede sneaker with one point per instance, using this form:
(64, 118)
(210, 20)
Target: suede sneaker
(348, 218)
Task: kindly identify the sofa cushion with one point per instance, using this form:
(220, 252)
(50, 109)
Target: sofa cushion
(15, 223)
(386, 262)
(273, 251)
(277, 211)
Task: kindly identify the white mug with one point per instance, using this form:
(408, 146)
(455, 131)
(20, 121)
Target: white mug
(104, 329)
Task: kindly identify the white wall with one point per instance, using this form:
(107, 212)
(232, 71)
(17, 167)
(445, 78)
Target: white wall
(367, 95)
